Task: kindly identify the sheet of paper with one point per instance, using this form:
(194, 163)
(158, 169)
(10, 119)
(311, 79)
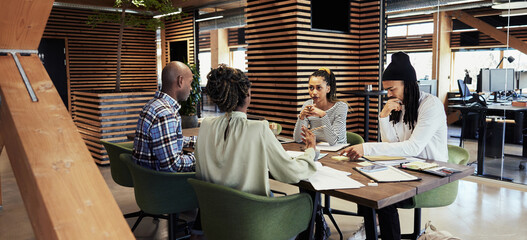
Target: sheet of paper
(324, 146)
(295, 154)
(284, 139)
(327, 178)
(383, 158)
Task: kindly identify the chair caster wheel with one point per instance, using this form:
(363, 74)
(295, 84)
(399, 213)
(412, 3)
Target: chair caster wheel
(521, 166)
(155, 221)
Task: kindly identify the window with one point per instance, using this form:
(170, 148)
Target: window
(204, 67)
(472, 61)
(421, 28)
(410, 29)
(520, 60)
(397, 31)
(238, 59)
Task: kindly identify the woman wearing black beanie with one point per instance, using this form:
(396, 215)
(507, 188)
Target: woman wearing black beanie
(411, 123)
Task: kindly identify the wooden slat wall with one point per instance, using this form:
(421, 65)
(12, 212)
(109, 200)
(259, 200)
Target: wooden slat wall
(283, 51)
(410, 43)
(486, 41)
(233, 38)
(107, 116)
(365, 17)
(179, 31)
(92, 52)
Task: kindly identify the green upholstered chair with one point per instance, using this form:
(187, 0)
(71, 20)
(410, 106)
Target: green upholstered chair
(162, 193)
(227, 213)
(119, 169)
(278, 128)
(352, 139)
(437, 197)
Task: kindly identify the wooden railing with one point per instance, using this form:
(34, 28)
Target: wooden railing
(63, 191)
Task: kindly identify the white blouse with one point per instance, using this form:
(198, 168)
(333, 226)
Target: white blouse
(245, 158)
(428, 139)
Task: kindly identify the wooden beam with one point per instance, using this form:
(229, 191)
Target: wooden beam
(441, 54)
(490, 30)
(63, 191)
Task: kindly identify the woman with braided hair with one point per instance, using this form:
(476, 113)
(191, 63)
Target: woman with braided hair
(323, 110)
(240, 153)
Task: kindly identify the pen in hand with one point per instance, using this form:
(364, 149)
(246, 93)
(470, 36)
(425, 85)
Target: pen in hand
(318, 128)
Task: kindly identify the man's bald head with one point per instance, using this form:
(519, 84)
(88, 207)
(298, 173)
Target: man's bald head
(176, 79)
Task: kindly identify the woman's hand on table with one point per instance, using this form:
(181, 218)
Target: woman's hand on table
(353, 152)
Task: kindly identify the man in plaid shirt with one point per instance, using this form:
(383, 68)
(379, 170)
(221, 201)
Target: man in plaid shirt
(159, 140)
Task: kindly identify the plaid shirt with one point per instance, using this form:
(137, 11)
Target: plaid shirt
(159, 141)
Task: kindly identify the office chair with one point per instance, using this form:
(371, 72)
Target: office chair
(228, 213)
(463, 89)
(162, 193)
(352, 139)
(438, 197)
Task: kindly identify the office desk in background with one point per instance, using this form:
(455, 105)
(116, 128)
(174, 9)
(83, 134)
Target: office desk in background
(372, 198)
(519, 113)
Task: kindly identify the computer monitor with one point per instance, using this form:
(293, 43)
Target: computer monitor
(496, 80)
(501, 80)
(428, 86)
(522, 80)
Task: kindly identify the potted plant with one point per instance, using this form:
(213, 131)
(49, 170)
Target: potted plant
(188, 110)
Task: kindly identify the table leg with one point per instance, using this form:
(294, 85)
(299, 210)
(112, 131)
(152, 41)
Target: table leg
(464, 116)
(1, 148)
(309, 233)
(482, 135)
(370, 221)
(366, 118)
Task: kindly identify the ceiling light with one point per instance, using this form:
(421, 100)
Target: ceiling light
(506, 4)
(178, 11)
(209, 18)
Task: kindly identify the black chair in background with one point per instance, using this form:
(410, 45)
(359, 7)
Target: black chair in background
(465, 96)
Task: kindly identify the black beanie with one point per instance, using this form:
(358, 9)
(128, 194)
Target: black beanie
(400, 69)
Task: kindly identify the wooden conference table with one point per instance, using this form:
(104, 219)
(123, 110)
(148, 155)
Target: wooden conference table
(370, 198)
(385, 194)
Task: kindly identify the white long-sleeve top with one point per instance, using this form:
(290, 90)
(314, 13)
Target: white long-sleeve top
(244, 159)
(335, 121)
(428, 140)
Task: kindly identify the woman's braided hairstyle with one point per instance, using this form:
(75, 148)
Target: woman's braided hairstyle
(227, 87)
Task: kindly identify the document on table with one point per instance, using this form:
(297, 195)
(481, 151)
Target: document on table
(295, 154)
(324, 146)
(326, 178)
(390, 174)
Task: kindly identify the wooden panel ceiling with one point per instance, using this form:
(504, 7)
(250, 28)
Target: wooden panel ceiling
(188, 4)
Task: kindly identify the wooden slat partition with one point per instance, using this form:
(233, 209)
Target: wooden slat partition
(63, 191)
(411, 43)
(179, 31)
(283, 51)
(107, 116)
(92, 52)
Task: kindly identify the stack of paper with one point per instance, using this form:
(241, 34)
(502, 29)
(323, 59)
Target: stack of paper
(327, 178)
(295, 154)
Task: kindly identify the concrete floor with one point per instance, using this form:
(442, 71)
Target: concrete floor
(484, 209)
